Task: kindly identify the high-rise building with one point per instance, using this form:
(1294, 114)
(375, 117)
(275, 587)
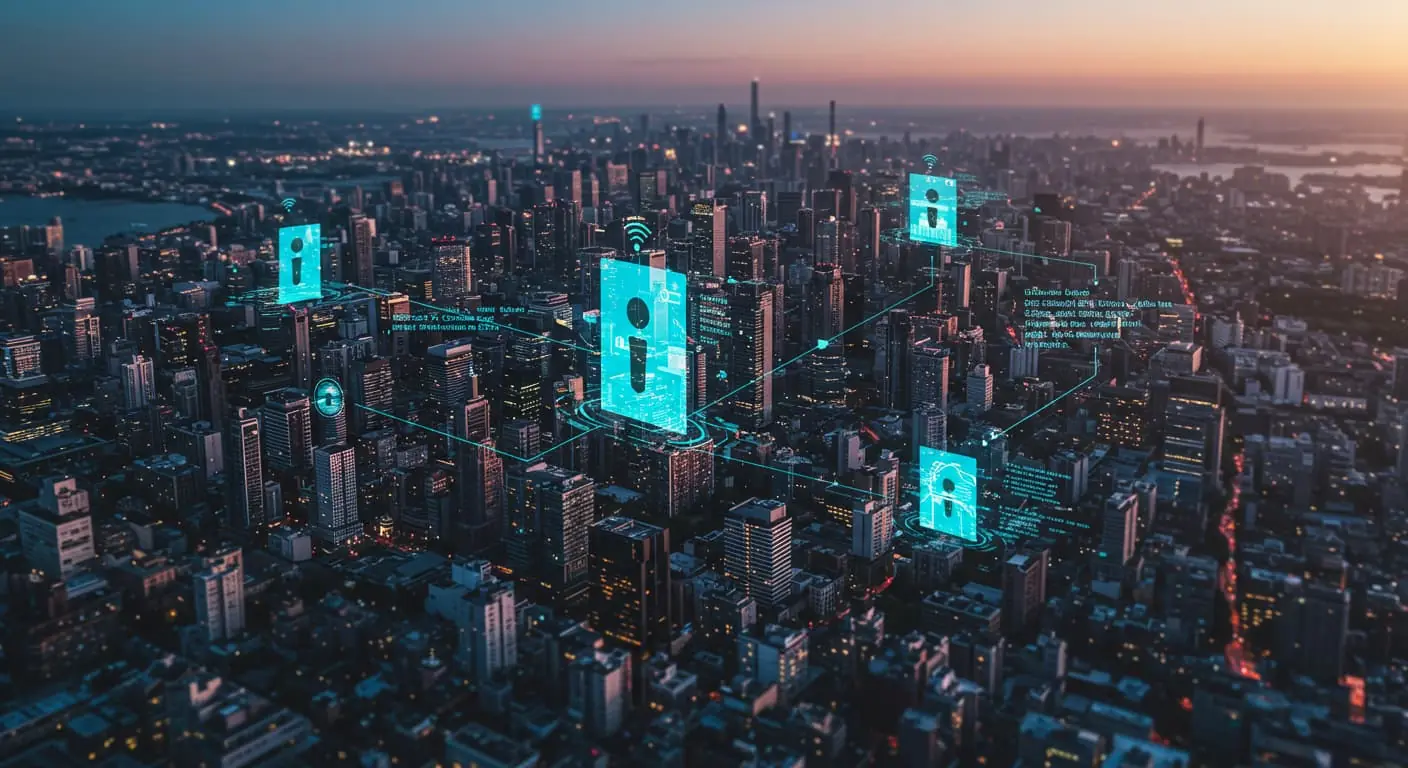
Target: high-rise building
(219, 594)
(630, 578)
(758, 550)
(752, 211)
(826, 304)
(599, 690)
(1312, 633)
(244, 465)
(19, 355)
(775, 655)
(286, 429)
(872, 529)
(980, 388)
(56, 530)
(547, 537)
(449, 372)
(451, 281)
(1122, 416)
(751, 315)
(709, 232)
(898, 333)
(371, 387)
(484, 610)
(929, 372)
(1120, 532)
(337, 519)
(745, 258)
(302, 349)
(1024, 590)
(138, 383)
(362, 231)
(929, 428)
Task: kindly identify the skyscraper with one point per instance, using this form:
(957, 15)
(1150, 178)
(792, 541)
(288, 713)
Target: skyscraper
(219, 594)
(451, 281)
(362, 231)
(826, 367)
(750, 353)
(872, 529)
(709, 228)
(371, 387)
(1120, 532)
(980, 384)
(286, 428)
(1024, 590)
(745, 258)
(550, 512)
(753, 113)
(630, 578)
(758, 550)
(302, 349)
(928, 372)
(337, 519)
(720, 134)
(138, 383)
(244, 465)
(56, 530)
(449, 372)
(898, 338)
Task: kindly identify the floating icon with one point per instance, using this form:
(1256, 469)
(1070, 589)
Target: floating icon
(536, 111)
(637, 233)
(930, 161)
(721, 375)
(288, 204)
(948, 493)
(328, 398)
(644, 367)
(933, 210)
(300, 263)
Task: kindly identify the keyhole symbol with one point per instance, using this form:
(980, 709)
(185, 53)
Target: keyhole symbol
(949, 488)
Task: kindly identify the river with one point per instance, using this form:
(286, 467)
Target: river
(89, 222)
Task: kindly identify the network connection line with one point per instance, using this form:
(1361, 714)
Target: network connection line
(877, 315)
(467, 441)
(741, 387)
(475, 318)
(1093, 268)
(1054, 401)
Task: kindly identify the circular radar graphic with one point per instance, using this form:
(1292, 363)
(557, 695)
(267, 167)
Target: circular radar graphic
(907, 525)
(327, 397)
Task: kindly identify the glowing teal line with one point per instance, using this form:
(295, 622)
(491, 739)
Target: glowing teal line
(475, 318)
(1063, 396)
(1093, 268)
(466, 440)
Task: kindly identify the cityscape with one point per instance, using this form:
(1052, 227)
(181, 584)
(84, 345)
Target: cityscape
(758, 432)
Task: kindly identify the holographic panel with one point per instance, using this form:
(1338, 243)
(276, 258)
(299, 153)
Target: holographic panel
(948, 493)
(536, 111)
(933, 209)
(300, 263)
(643, 363)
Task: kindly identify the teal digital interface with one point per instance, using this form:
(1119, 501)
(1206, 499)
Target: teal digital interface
(300, 263)
(948, 493)
(933, 209)
(643, 362)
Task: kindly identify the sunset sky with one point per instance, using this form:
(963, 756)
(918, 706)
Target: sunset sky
(73, 54)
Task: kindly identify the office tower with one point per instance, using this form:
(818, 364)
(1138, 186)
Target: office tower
(849, 453)
(630, 577)
(1122, 416)
(599, 691)
(392, 343)
(1201, 127)
(286, 428)
(980, 388)
(1399, 375)
(708, 243)
(337, 520)
(1024, 590)
(833, 140)
(868, 235)
(370, 386)
(774, 655)
(362, 231)
(872, 529)
(1193, 436)
(472, 421)
(539, 150)
(19, 355)
(449, 372)
(959, 286)
(83, 337)
(753, 122)
(929, 427)
(826, 243)
(844, 184)
(806, 229)
(547, 536)
(789, 203)
(244, 465)
(138, 383)
(521, 438)
(589, 268)
(302, 349)
(200, 443)
(826, 368)
(485, 611)
(1121, 528)
(720, 134)
(1054, 238)
(745, 258)
(752, 211)
(452, 280)
(1227, 332)
(758, 550)
(54, 236)
(787, 127)
(219, 595)
(928, 372)
(898, 337)
(750, 353)
(56, 530)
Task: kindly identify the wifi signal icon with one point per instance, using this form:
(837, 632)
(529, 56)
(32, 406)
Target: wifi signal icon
(288, 204)
(636, 234)
(930, 161)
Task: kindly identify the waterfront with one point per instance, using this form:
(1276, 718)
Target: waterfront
(89, 222)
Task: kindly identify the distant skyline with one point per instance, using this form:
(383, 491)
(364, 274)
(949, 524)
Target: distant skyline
(326, 54)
